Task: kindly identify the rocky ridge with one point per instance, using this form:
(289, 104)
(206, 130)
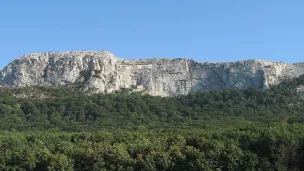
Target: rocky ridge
(101, 71)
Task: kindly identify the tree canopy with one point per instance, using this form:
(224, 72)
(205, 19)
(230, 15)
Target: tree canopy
(48, 128)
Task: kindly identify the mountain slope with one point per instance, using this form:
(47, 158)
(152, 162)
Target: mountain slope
(43, 107)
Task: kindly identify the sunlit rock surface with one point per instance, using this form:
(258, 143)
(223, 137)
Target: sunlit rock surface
(101, 71)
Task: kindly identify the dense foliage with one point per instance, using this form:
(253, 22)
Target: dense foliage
(255, 147)
(45, 128)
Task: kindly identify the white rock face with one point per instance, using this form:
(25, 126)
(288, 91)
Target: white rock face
(101, 71)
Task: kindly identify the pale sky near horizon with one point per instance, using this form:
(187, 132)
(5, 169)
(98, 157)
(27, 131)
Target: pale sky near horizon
(203, 30)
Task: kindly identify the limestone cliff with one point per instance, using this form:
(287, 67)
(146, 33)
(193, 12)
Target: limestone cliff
(103, 72)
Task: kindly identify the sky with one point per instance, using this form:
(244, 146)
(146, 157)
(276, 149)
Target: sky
(203, 30)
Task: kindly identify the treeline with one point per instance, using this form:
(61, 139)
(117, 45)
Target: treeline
(64, 109)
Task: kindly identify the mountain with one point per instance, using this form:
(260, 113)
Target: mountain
(101, 71)
(56, 128)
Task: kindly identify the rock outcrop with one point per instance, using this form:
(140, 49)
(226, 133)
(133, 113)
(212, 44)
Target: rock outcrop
(103, 72)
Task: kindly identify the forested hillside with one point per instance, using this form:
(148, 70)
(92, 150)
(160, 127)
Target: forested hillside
(44, 128)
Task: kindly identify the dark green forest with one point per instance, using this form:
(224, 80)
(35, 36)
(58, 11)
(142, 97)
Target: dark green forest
(48, 128)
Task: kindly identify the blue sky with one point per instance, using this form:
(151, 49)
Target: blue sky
(204, 30)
